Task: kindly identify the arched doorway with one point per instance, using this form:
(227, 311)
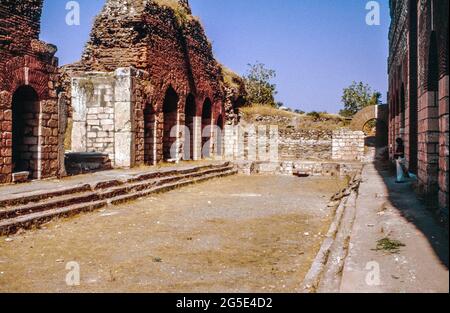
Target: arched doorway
(206, 132)
(376, 133)
(150, 128)
(25, 131)
(190, 113)
(170, 110)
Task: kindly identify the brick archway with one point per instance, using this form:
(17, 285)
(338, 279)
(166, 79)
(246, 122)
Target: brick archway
(207, 115)
(377, 113)
(170, 111)
(25, 131)
(190, 114)
(374, 112)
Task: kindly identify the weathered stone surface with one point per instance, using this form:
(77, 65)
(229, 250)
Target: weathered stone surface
(28, 70)
(149, 48)
(348, 145)
(418, 92)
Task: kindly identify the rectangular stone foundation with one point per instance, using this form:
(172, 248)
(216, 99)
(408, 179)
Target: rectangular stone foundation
(300, 168)
(348, 145)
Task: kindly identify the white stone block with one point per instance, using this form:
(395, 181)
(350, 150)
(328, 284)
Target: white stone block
(124, 149)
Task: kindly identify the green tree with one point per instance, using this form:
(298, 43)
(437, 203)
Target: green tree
(258, 84)
(358, 96)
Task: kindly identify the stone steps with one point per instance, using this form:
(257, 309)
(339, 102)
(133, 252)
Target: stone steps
(38, 208)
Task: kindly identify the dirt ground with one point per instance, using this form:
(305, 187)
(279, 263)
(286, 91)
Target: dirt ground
(237, 234)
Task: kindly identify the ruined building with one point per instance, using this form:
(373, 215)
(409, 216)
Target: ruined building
(29, 130)
(147, 72)
(419, 92)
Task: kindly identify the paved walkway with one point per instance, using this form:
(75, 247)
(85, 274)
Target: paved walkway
(117, 174)
(389, 210)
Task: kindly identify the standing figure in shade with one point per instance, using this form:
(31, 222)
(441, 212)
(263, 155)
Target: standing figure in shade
(402, 172)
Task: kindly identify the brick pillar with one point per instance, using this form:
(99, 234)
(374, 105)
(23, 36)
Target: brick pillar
(428, 142)
(150, 140)
(444, 144)
(179, 136)
(159, 121)
(5, 137)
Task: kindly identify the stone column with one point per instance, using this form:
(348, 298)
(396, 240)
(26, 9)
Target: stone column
(79, 106)
(251, 143)
(229, 141)
(274, 143)
(239, 152)
(197, 138)
(263, 154)
(124, 136)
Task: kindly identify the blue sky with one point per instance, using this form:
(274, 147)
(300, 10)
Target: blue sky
(317, 47)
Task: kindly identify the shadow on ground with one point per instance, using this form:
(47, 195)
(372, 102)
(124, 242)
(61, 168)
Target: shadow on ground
(415, 210)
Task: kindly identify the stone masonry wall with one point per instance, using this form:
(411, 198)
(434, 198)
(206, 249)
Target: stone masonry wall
(104, 109)
(168, 48)
(29, 65)
(444, 155)
(348, 145)
(418, 93)
(295, 142)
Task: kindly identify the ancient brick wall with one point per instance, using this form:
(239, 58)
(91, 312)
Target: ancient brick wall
(28, 77)
(173, 49)
(295, 139)
(418, 92)
(442, 8)
(168, 47)
(402, 105)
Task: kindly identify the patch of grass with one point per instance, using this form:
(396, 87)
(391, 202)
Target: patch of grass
(266, 110)
(230, 78)
(319, 121)
(181, 14)
(388, 245)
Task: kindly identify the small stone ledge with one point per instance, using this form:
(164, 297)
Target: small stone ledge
(300, 168)
(332, 242)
